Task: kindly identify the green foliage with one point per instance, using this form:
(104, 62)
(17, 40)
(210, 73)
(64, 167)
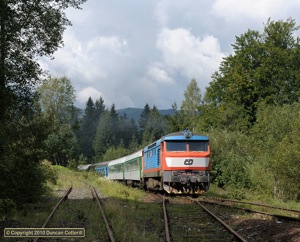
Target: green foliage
(7, 208)
(176, 121)
(156, 126)
(57, 96)
(104, 136)
(191, 104)
(264, 66)
(114, 153)
(251, 113)
(144, 117)
(277, 135)
(230, 158)
(61, 144)
(28, 29)
(92, 113)
(56, 100)
(224, 117)
(23, 178)
(49, 173)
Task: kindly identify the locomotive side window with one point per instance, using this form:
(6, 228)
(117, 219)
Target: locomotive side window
(198, 145)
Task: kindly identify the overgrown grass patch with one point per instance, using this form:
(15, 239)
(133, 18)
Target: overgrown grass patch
(81, 213)
(135, 221)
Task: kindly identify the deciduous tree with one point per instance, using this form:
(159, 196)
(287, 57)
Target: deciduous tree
(264, 66)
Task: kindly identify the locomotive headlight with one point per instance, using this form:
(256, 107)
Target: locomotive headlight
(188, 135)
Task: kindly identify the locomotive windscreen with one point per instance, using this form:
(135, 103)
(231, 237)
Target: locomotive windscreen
(187, 145)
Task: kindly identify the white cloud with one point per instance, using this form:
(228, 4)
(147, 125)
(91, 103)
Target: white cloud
(253, 10)
(192, 56)
(112, 44)
(159, 75)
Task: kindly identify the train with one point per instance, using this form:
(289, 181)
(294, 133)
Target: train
(178, 163)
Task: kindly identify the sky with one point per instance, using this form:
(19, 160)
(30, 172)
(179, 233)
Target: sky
(137, 52)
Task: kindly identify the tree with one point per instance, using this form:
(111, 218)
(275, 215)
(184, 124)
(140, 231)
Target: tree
(104, 136)
(191, 104)
(264, 66)
(144, 118)
(114, 125)
(92, 114)
(127, 130)
(156, 126)
(28, 29)
(176, 121)
(57, 97)
(56, 100)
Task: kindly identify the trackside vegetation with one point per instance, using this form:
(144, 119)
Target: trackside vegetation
(250, 111)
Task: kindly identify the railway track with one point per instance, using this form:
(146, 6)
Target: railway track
(73, 214)
(256, 224)
(188, 222)
(289, 214)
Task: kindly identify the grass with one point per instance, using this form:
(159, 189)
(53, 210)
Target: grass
(250, 196)
(131, 218)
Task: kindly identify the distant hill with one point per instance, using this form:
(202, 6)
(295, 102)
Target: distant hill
(135, 113)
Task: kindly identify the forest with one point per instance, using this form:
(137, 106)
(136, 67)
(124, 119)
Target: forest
(250, 111)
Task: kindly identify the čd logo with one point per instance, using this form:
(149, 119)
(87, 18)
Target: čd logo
(188, 162)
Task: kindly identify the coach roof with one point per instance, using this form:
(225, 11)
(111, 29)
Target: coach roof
(117, 161)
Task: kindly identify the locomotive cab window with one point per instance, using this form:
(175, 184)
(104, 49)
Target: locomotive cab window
(198, 145)
(177, 146)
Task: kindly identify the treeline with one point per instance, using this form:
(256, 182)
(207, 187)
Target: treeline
(104, 135)
(250, 111)
(99, 134)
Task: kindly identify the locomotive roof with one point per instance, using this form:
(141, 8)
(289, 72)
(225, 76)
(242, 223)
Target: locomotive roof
(185, 135)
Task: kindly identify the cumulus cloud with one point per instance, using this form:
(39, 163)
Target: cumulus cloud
(193, 56)
(159, 75)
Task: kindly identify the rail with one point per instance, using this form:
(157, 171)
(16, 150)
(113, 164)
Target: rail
(63, 198)
(167, 231)
(110, 233)
(236, 235)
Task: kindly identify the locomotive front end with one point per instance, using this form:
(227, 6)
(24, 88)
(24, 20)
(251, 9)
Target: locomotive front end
(186, 163)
